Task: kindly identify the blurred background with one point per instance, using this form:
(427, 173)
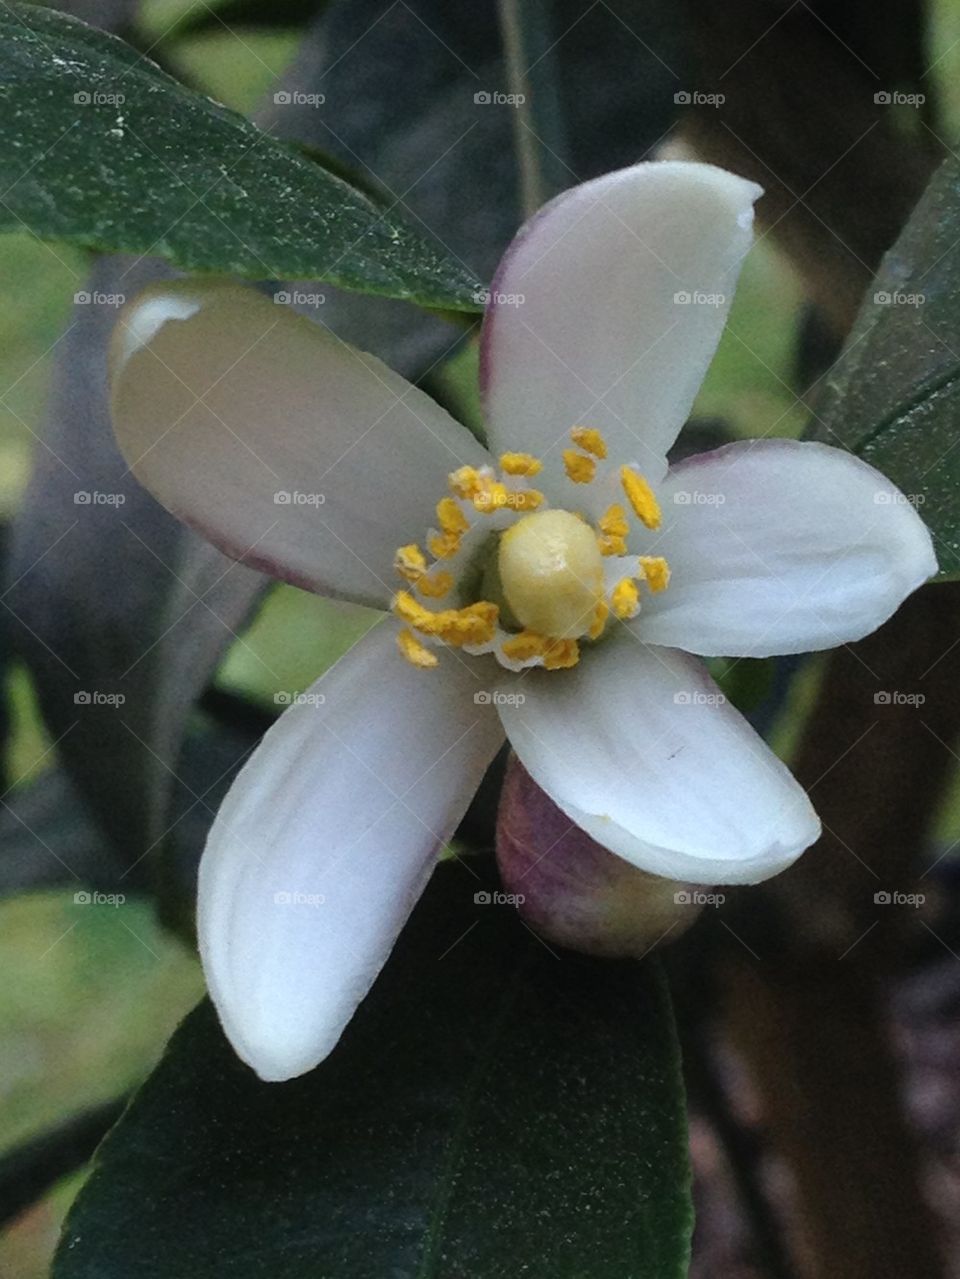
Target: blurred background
(91, 990)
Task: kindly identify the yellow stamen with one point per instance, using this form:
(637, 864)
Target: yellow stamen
(465, 481)
(579, 468)
(491, 497)
(655, 571)
(417, 654)
(435, 585)
(520, 464)
(526, 499)
(590, 440)
(443, 546)
(475, 624)
(520, 648)
(561, 655)
(451, 518)
(557, 654)
(613, 531)
(640, 496)
(600, 615)
(625, 599)
(410, 563)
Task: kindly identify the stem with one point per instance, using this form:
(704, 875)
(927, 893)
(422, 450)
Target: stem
(533, 190)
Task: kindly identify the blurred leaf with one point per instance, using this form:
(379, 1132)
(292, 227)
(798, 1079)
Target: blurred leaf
(187, 179)
(493, 1110)
(894, 395)
(252, 14)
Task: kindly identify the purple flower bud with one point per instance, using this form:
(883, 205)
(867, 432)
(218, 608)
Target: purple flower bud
(572, 890)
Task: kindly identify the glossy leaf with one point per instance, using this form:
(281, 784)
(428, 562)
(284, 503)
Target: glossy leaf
(893, 397)
(101, 148)
(494, 1109)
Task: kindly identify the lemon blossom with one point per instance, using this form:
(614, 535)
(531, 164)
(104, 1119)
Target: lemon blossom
(552, 589)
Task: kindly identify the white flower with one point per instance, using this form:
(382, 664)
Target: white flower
(304, 457)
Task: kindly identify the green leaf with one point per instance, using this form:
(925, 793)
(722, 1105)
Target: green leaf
(143, 165)
(893, 397)
(494, 1109)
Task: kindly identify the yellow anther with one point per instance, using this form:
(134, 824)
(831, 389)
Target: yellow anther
(590, 440)
(475, 624)
(526, 499)
(451, 518)
(579, 467)
(655, 571)
(520, 464)
(410, 563)
(625, 599)
(614, 528)
(600, 615)
(640, 496)
(491, 497)
(435, 585)
(465, 481)
(557, 654)
(520, 648)
(417, 654)
(443, 546)
(561, 655)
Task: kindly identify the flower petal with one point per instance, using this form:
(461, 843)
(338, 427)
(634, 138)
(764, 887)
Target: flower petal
(289, 449)
(640, 749)
(781, 547)
(586, 323)
(325, 841)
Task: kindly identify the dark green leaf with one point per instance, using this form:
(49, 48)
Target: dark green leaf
(894, 395)
(101, 148)
(494, 1109)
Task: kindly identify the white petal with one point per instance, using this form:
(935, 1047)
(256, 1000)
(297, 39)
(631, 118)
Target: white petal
(778, 546)
(325, 841)
(598, 338)
(279, 442)
(639, 748)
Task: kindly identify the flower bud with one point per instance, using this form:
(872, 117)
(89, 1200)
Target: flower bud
(573, 891)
